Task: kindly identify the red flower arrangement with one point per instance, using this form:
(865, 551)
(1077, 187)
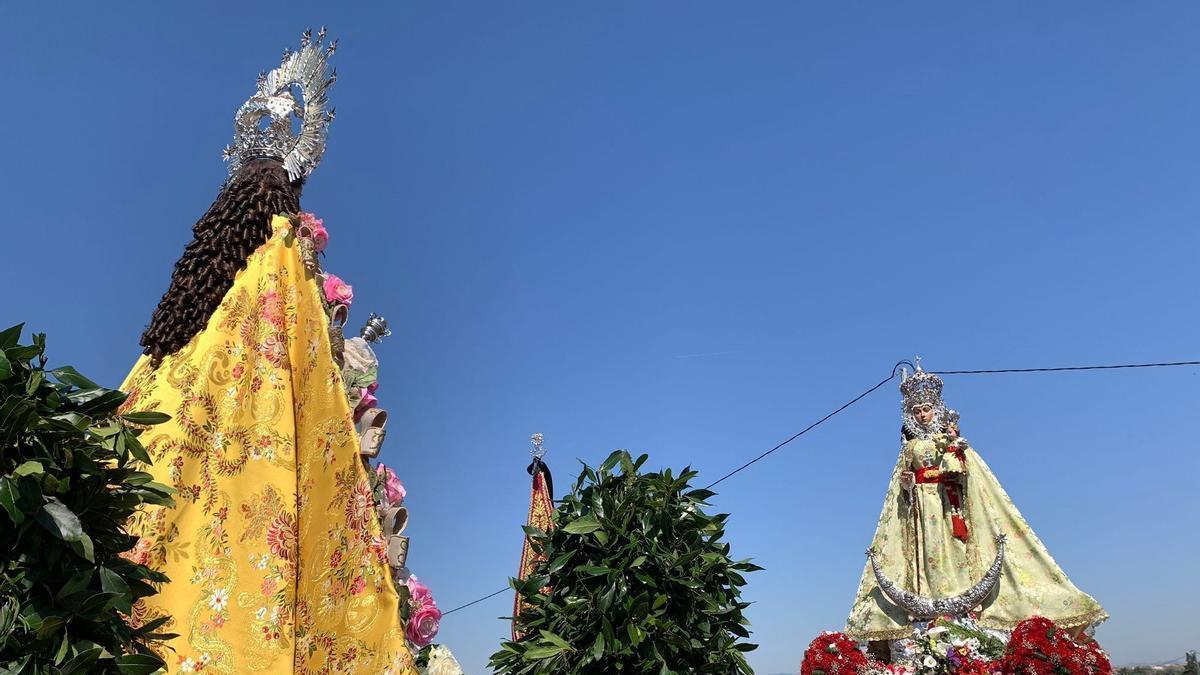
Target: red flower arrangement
(1038, 647)
(833, 654)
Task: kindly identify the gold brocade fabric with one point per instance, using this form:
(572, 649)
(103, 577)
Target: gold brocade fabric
(541, 516)
(1032, 584)
(274, 549)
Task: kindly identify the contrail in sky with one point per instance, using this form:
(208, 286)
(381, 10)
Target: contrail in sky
(701, 354)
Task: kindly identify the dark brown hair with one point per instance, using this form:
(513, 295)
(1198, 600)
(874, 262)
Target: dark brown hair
(236, 224)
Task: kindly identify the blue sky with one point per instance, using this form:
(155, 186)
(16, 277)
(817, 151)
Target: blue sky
(687, 229)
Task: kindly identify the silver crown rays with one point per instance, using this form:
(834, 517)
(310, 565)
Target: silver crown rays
(263, 125)
(919, 389)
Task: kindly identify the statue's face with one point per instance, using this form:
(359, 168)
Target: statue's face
(923, 414)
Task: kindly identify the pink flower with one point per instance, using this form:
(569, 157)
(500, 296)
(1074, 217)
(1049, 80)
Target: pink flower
(365, 403)
(320, 237)
(338, 291)
(393, 489)
(373, 387)
(309, 220)
(419, 593)
(423, 625)
(358, 586)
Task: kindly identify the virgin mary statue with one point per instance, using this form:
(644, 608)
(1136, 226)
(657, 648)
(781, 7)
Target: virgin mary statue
(943, 520)
(275, 555)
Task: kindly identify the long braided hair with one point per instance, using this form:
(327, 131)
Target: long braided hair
(237, 223)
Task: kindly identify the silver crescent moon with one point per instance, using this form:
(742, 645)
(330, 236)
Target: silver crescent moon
(922, 607)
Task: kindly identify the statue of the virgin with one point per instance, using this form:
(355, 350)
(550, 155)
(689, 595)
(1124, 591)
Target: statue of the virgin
(944, 517)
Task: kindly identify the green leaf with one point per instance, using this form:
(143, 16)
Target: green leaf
(78, 582)
(583, 525)
(82, 662)
(68, 375)
(5, 367)
(60, 520)
(97, 401)
(592, 570)
(50, 626)
(146, 418)
(112, 582)
(96, 604)
(8, 499)
(135, 447)
(10, 336)
(138, 664)
(22, 353)
(30, 468)
(544, 652)
(554, 639)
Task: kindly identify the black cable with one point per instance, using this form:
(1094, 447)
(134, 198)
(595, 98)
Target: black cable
(475, 602)
(812, 426)
(1065, 368)
(882, 382)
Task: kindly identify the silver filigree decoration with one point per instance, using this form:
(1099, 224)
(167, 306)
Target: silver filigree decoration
(922, 388)
(263, 125)
(538, 450)
(922, 607)
(376, 328)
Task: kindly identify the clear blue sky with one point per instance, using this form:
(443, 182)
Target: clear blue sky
(687, 229)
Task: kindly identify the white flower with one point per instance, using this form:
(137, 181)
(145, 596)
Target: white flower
(442, 662)
(218, 440)
(936, 630)
(261, 613)
(930, 662)
(263, 562)
(188, 666)
(219, 600)
(205, 658)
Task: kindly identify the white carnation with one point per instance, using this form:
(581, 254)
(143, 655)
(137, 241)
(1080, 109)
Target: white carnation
(442, 662)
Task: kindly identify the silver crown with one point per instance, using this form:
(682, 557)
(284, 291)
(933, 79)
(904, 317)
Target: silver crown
(263, 125)
(921, 388)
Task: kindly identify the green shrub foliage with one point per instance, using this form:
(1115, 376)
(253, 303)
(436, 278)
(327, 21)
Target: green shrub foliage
(639, 579)
(68, 483)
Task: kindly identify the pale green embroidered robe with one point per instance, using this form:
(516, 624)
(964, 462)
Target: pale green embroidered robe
(1032, 584)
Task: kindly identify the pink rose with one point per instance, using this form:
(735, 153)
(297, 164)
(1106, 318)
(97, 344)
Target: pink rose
(373, 387)
(309, 220)
(419, 593)
(360, 585)
(320, 237)
(423, 625)
(392, 487)
(337, 291)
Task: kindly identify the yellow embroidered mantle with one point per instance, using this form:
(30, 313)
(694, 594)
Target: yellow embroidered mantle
(1032, 584)
(274, 550)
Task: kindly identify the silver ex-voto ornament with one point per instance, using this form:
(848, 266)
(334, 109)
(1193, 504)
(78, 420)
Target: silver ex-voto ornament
(538, 451)
(376, 328)
(922, 607)
(263, 125)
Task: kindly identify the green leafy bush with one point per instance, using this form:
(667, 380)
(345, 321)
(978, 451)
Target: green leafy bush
(68, 483)
(639, 579)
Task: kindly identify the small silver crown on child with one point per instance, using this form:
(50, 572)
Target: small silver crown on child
(263, 125)
(376, 328)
